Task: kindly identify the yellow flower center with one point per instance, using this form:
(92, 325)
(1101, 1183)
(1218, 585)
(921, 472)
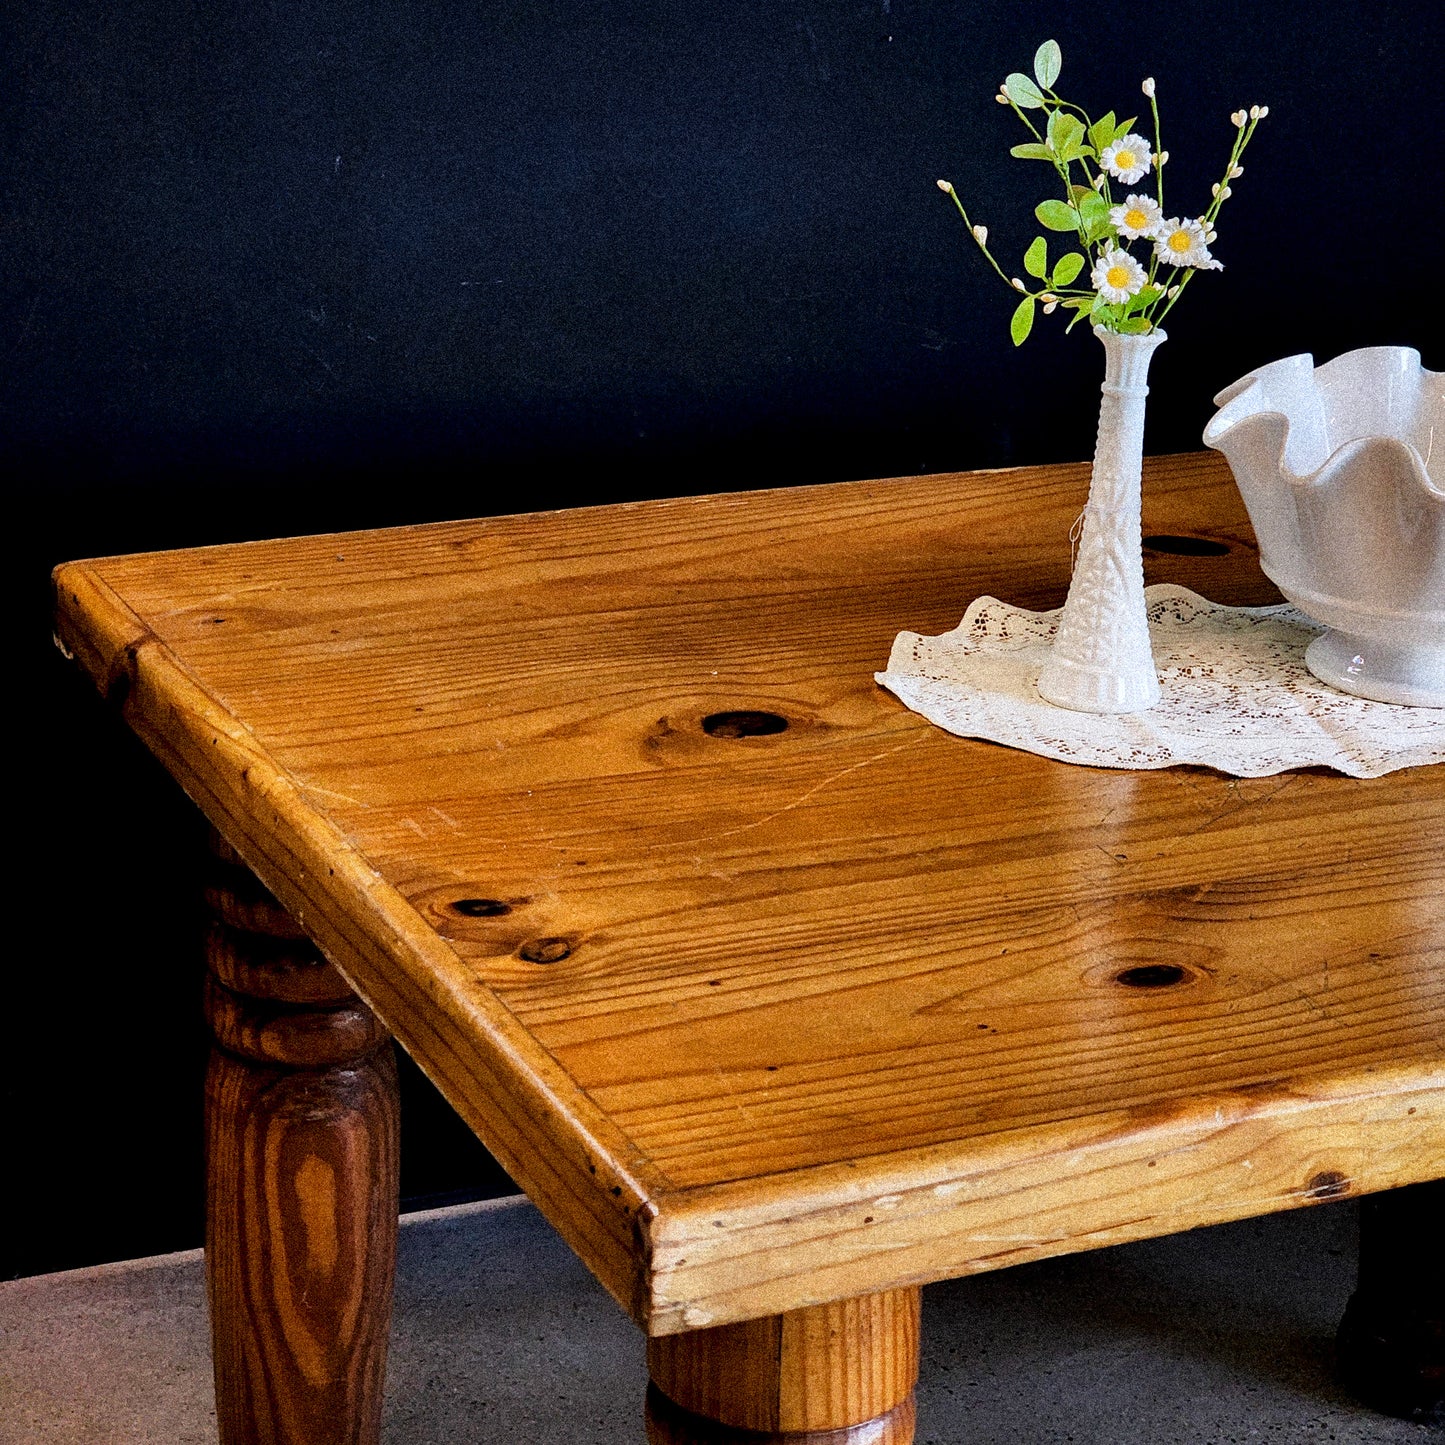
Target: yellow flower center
(1124, 160)
(1136, 220)
(1118, 277)
(1181, 241)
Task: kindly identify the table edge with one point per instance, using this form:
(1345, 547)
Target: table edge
(589, 1179)
(752, 1247)
(650, 1243)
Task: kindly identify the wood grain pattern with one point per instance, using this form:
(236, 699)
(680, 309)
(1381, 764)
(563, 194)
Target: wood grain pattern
(825, 1368)
(766, 1020)
(301, 1189)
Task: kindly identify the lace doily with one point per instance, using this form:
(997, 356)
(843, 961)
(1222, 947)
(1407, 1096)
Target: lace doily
(1236, 694)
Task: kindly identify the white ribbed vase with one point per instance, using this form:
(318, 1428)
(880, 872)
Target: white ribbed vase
(1101, 660)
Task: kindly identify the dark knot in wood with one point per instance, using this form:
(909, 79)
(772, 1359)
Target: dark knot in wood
(744, 724)
(1151, 975)
(1185, 546)
(545, 950)
(480, 907)
(1327, 1184)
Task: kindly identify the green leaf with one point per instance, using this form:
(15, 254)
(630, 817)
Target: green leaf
(1080, 303)
(1079, 192)
(1125, 126)
(1094, 210)
(1135, 326)
(1064, 131)
(1048, 61)
(1023, 92)
(1141, 300)
(1056, 216)
(1074, 151)
(1102, 131)
(1023, 321)
(1067, 269)
(1032, 151)
(1036, 258)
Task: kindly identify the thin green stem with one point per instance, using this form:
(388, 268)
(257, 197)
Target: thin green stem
(983, 246)
(1158, 153)
(1017, 110)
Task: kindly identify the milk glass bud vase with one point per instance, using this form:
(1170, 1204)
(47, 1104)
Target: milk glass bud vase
(1101, 660)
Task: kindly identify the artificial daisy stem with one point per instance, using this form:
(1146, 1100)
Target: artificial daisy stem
(1014, 106)
(1181, 284)
(1158, 152)
(982, 245)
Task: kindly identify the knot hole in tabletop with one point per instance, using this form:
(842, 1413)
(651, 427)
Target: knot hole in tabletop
(480, 907)
(1151, 975)
(1176, 546)
(744, 723)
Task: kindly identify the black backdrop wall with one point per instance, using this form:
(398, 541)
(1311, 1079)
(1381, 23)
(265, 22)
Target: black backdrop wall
(277, 267)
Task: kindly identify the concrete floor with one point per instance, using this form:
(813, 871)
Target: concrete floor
(500, 1336)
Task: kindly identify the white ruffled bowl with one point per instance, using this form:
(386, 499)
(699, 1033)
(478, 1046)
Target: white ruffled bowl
(1341, 469)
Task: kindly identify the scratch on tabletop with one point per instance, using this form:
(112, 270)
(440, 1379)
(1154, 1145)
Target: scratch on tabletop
(328, 793)
(736, 1102)
(811, 792)
(1238, 806)
(446, 818)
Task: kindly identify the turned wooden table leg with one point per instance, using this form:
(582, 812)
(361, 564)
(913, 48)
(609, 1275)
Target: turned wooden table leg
(301, 1180)
(835, 1374)
(1392, 1339)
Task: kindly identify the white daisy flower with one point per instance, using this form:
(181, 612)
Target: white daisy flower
(1128, 158)
(1117, 276)
(1183, 243)
(1138, 216)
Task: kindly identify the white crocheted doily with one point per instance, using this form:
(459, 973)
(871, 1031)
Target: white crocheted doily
(1236, 694)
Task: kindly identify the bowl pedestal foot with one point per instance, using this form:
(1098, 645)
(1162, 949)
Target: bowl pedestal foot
(1409, 673)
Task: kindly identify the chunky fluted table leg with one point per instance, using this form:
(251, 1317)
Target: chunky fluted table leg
(301, 1180)
(1392, 1339)
(835, 1374)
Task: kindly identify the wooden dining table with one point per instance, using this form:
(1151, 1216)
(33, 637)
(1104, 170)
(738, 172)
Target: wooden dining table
(777, 1001)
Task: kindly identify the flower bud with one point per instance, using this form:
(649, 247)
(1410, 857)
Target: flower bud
(1214, 189)
(1239, 117)
(1148, 87)
(1099, 181)
(1161, 158)
(1050, 307)
(946, 187)
(1018, 285)
(980, 234)
(1048, 297)
(1236, 173)
(1001, 98)
(1254, 112)
(1263, 111)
